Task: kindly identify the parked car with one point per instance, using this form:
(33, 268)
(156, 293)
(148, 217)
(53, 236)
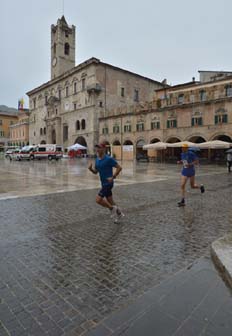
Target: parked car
(15, 155)
(142, 157)
(10, 152)
(50, 152)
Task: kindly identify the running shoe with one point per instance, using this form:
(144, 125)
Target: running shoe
(181, 203)
(113, 212)
(202, 188)
(120, 214)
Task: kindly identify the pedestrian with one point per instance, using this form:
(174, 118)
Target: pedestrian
(229, 161)
(104, 165)
(189, 160)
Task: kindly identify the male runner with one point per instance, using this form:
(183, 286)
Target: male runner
(188, 159)
(104, 165)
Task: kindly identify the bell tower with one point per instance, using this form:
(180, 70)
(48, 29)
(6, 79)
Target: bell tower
(62, 47)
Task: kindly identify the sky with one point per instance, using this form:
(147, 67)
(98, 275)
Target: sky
(170, 39)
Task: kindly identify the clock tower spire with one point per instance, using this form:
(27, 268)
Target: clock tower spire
(62, 47)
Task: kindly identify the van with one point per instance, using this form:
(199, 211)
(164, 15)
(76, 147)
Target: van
(26, 152)
(50, 152)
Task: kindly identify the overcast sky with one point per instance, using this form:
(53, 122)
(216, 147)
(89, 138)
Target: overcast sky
(158, 39)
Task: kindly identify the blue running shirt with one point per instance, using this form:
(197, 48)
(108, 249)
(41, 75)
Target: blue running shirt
(105, 168)
(188, 157)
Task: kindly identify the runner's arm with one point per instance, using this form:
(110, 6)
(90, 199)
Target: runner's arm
(118, 170)
(92, 169)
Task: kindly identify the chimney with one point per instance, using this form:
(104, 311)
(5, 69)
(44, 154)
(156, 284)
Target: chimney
(193, 79)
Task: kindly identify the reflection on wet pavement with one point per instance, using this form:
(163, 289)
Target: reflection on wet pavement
(19, 179)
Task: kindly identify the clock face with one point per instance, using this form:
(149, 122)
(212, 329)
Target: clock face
(54, 61)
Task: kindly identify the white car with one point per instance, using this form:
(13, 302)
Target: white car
(15, 155)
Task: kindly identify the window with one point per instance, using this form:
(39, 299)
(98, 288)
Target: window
(75, 87)
(66, 91)
(192, 98)
(59, 93)
(46, 100)
(45, 130)
(83, 124)
(155, 125)
(122, 92)
(202, 95)
(136, 95)
(42, 149)
(228, 90)
(127, 128)
(1, 134)
(41, 131)
(116, 129)
(83, 84)
(172, 123)
(197, 121)
(74, 106)
(56, 111)
(66, 34)
(11, 122)
(66, 49)
(105, 130)
(0, 122)
(34, 103)
(221, 119)
(65, 132)
(78, 127)
(100, 104)
(180, 99)
(54, 48)
(140, 127)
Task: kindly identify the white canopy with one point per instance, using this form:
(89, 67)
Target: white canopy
(215, 144)
(156, 145)
(76, 147)
(181, 143)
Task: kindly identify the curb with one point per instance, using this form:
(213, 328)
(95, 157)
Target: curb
(221, 253)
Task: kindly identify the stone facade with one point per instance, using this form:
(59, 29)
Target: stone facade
(19, 131)
(66, 110)
(194, 111)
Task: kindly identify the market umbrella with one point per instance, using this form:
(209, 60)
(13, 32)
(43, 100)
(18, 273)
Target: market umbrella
(157, 145)
(215, 144)
(181, 143)
(76, 147)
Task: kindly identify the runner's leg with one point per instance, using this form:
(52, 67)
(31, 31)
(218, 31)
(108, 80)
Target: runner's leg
(183, 184)
(193, 184)
(103, 202)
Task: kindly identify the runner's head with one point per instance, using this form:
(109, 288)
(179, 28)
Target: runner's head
(100, 149)
(185, 148)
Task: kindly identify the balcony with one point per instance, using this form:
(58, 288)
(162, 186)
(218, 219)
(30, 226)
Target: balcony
(94, 88)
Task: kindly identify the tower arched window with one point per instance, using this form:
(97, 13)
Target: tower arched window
(83, 124)
(66, 49)
(78, 125)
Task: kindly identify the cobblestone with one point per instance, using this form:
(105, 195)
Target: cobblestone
(65, 266)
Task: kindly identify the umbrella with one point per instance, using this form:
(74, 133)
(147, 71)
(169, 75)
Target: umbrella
(215, 144)
(76, 147)
(156, 145)
(181, 143)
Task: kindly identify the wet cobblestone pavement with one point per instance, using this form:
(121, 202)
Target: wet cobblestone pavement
(65, 266)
